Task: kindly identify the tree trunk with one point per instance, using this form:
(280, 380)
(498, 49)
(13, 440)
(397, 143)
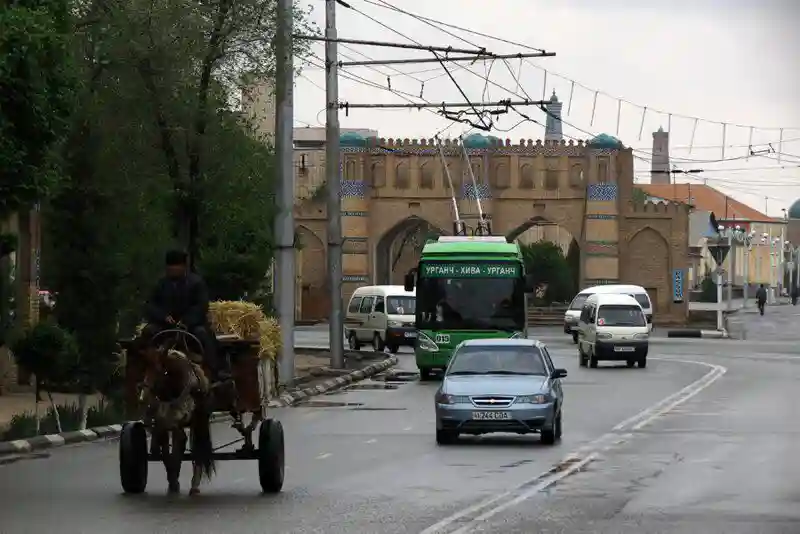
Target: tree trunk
(83, 407)
(37, 413)
(55, 412)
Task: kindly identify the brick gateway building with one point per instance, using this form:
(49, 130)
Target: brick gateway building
(395, 195)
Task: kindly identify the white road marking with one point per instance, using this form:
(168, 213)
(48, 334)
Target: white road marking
(324, 455)
(406, 429)
(579, 459)
(371, 441)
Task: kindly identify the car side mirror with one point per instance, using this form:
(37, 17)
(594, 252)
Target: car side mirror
(530, 283)
(408, 281)
(558, 373)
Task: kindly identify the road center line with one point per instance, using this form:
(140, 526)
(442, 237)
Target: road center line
(577, 460)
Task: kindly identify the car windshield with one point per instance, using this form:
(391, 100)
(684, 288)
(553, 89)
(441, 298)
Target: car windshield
(642, 299)
(498, 360)
(401, 305)
(489, 303)
(577, 302)
(620, 315)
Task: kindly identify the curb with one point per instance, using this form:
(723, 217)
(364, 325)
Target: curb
(698, 334)
(51, 441)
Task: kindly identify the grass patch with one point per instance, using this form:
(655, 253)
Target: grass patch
(23, 425)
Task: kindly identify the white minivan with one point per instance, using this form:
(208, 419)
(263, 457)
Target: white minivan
(612, 327)
(574, 311)
(382, 316)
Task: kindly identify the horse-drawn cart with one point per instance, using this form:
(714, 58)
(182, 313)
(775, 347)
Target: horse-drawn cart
(147, 438)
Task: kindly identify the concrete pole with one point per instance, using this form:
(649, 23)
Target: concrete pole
(732, 272)
(284, 223)
(333, 181)
(720, 323)
(746, 274)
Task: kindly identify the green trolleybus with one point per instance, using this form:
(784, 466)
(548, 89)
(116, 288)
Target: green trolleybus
(467, 287)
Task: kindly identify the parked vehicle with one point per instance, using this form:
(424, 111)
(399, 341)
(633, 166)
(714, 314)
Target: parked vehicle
(500, 385)
(612, 328)
(573, 313)
(382, 316)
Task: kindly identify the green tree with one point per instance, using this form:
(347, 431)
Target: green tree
(192, 58)
(546, 262)
(639, 196)
(36, 96)
(574, 263)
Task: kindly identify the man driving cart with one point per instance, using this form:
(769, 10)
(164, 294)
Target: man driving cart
(180, 301)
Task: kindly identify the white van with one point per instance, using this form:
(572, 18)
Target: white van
(613, 328)
(382, 316)
(574, 311)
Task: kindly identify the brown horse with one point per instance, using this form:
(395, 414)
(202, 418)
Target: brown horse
(176, 393)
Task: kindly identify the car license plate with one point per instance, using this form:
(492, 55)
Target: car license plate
(410, 334)
(491, 416)
(623, 349)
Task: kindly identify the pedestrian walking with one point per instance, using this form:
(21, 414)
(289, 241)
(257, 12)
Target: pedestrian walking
(761, 298)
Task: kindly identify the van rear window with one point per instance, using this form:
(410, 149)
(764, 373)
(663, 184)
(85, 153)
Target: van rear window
(620, 315)
(642, 299)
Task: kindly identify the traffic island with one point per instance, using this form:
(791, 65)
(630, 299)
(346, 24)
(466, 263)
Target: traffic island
(359, 366)
(698, 333)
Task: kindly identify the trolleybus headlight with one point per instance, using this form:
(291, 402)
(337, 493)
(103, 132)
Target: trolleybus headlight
(426, 343)
(395, 324)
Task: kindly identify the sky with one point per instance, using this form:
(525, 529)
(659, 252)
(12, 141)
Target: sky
(721, 62)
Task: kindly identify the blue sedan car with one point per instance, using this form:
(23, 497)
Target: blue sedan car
(500, 385)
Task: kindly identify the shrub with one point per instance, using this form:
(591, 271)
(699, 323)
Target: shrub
(23, 425)
(48, 352)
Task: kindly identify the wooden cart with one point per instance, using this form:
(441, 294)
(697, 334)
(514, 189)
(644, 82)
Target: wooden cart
(255, 384)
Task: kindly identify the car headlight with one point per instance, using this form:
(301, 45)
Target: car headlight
(395, 324)
(443, 398)
(604, 335)
(641, 336)
(532, 399)
(426, 343)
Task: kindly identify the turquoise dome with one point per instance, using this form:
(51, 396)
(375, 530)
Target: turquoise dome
(352, 139)
(794, 211)
(477, 141)
(605, 141)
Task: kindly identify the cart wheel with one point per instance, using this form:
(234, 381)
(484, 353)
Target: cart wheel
(270, 456)
(133, 457)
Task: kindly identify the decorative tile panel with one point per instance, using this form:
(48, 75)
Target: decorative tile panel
(600, 282)
(477, 191)
(353, 189)
(355, 278)
(677, 285)
(355, 214)
(606, 192)
(601, 216)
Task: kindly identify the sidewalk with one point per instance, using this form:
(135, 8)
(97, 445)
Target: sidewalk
(12, 404)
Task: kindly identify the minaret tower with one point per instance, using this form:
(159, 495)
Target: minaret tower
(659, 166)
(552, 130)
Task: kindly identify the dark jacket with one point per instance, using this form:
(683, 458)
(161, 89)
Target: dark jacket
(761, 294)
(185, 299)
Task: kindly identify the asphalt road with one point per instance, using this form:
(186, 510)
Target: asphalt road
(720, 462)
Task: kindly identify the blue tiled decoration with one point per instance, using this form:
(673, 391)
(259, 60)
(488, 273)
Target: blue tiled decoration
(677, 285)
(353, 189)
(477, 191)
(602, 191)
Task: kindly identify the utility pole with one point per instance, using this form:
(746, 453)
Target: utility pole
(333, 183)
(284, 223)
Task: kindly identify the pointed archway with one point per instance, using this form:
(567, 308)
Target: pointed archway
(399, 249)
